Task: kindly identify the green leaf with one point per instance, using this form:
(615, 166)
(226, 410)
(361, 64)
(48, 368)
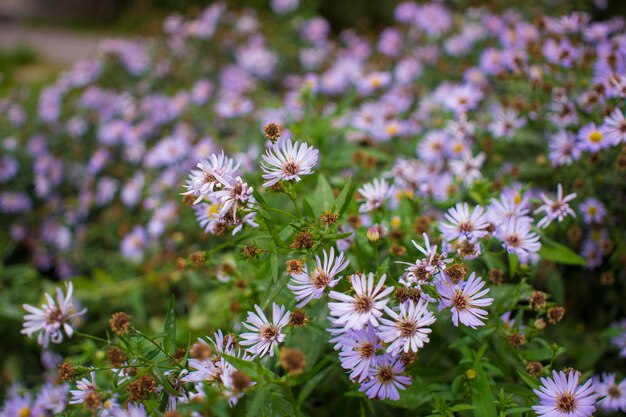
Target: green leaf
(513, 263)
(308, 210)
(556, 252)
(345, 197)
(482, 397)
(274, 265)
(323, 195)
(169, 341)
(530, 381)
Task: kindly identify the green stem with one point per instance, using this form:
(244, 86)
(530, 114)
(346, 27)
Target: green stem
(282, 212)
(88, 336)
(295, 204)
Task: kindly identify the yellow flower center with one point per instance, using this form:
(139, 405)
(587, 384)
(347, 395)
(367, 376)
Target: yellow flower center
(595, 136)
(107, 404)
(392, 129)
(517, 199)
(458, 148)
(376, 82)
(24, 412)
(592, 210)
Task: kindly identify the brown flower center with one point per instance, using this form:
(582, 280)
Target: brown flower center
(407, 327)
(54, 316)
(460, 300)
(385, 374)
(320, 278)
(269, 332)
(565, 403)
(465, 227)
(513, 240)
(290, 168)
(366, 350)
(614, 391)
(362, 304)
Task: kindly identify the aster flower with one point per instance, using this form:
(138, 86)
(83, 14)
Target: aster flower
(615, 127)
(307, 287)
(463, 225)
(594, 138)
(17, 405)
(408, 330)
(556, 209)
(619, 341)
(204, 180)
(563, 148)
(422, 270)
(265, 335)
(52, 398)
(465, 300)
(374, 195)
(468, 167)
(562, 396)
(518, 238)
(53, 318)
(232, 194)
(8, 168)
(614, 393)
(593, 210)
(365, 306)
(288, 161)
(84, 387)
(358, 351)
(386, 379)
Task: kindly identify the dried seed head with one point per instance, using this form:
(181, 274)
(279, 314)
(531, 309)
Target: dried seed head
(303, 240)
(537, 300)
(574, 234)
(607, 278)
(92, 401)
(250, 251)
(298, 318)
(120, 323)
(179, 354)
(200, 351)
(421, 225)
(271, 131)
(397, 250)
(534, 368)
(116, 356)
(496, 276)
(197, 258)
(408, 358)
(139, 389)
(516, 340)
(188, 200)
(241, 381)
(66, 372)
(295, 266)
(354, 220)
(292, 360)
(329, 217)
(456, 272)
(555, 314)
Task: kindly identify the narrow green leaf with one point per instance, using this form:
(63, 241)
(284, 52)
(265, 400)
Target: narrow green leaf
(556, 252)
(169, 340)
(345, 197)
(274, 265)
(482, 397)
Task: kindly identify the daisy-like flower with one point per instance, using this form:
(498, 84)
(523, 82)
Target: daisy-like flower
(53, 317)
(358, 351)
(518, 238)
(408, 330)
(555, 209)
(463, 225)
(232, 194)
(465, 300)
(374, 194)
(468, 167)
(424, 269)
(594, 138)
(563, 148)
(288, 161)
(615, 127)
(265, 335)
(84, 387)
(386, 379)
(614, 394)
(593, 210)
(562, 396)
(204, 180)
(308, 286)
(365, 306)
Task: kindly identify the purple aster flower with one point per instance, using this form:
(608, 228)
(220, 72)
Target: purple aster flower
(614, 393)
(53, 318)
(284, 6)
(463, 225)
(619, 341)
(288, 161)
(563, 148)
(365, 306)
(8, 168)
(134, 244)
(562, 396)
(614, 127)
(358, 351)
(12, 202)
(593, 210)
(518, 238)
(203, 181)
(232, 194)
(18, 405)
(84, 387)
(556, 209)
(594, 138)
(465, 300)
(265, 335)
(308, 286)
(386, 379)
(52, 398)
(408, 330)
(374, 195)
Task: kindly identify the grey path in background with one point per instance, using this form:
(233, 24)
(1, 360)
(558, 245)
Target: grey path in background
(56, 45)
